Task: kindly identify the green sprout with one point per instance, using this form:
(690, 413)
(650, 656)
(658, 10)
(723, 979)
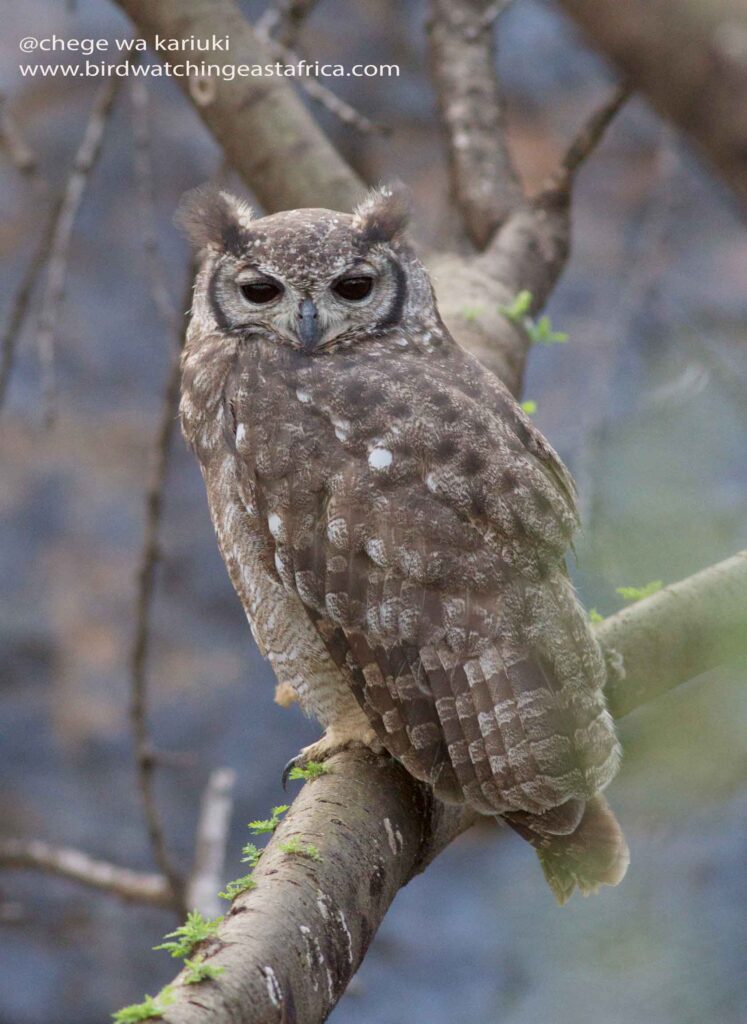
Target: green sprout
(252, 854)
(149, 1008)
(631, 594)
(239, 885)
(518, 309)
(295, 846)
(195, 930)
(199, 971)
(269, 824)
(595, 617)
(540, 331)
(312, 770)
(529, 407)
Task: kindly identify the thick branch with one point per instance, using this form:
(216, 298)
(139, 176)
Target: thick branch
(684, 630)
(462, 55)
(689, 60)
(291, 945)
(261, 124)
(131, 886)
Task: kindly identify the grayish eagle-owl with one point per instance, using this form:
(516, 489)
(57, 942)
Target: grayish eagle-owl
(393, 523)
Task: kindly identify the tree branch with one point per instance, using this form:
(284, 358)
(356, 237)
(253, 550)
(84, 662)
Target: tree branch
(210, 843)
(84, 162)
(677, 634)
(263, 127)
(290, 946)
(688, 59)
(131, 886)
(484, 181)
(145, 755)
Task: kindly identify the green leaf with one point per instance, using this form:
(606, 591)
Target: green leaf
(631, 594)
(312, 770)
(198, 971)
(541, 332)
(518, 308)
(529, 407)
(195, 930)
(239, 885)
(252, 854)
(146, 1010)
(471, 313)
(269, 824)
(594, 616)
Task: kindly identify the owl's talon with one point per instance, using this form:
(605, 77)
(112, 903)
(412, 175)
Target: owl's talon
(295, 762)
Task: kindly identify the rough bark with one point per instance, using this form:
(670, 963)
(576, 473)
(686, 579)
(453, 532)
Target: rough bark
(689, 59)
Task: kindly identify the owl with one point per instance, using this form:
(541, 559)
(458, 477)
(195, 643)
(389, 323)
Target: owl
(394, 524)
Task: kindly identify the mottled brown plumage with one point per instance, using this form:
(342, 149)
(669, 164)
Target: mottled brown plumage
(394, 525)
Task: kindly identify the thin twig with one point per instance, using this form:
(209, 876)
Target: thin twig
(84, 162)
(146, 573)
(339, 108)
(210, 843)
(583, 144)
(21, 154)
(22, 299)
(143, 162)
(282, 19)
(131, 886)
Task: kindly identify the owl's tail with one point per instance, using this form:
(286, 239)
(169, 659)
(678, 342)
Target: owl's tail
(581, 847)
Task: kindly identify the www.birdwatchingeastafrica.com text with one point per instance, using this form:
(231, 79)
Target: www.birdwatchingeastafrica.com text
(97, 66)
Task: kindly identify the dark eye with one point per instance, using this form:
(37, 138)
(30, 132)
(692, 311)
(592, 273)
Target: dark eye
(353, 289)
(260, 292)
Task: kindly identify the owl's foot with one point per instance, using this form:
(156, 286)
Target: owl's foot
(332, 742)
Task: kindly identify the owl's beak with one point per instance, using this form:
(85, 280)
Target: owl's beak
(308, 325)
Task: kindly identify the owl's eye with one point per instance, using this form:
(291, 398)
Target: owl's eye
(353, 289)
(261, 292)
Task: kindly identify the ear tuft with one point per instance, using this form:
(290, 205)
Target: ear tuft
(213, 218)
(383, 214)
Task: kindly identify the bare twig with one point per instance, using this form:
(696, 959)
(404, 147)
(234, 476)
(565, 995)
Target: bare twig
(529, 251)
(83, 164)
(583, 144)
(282, 19)
(131, 886)
(22, 299)
(146, 198)
(210, 843)
(146, 575)
(331, 102)
(21, 154)
(484, 181)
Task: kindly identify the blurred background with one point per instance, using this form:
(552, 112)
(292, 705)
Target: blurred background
(645, 403)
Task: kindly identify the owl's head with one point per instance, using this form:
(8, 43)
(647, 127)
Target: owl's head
(310, 279)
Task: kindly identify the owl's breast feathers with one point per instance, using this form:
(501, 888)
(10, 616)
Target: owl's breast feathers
(399, 491)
